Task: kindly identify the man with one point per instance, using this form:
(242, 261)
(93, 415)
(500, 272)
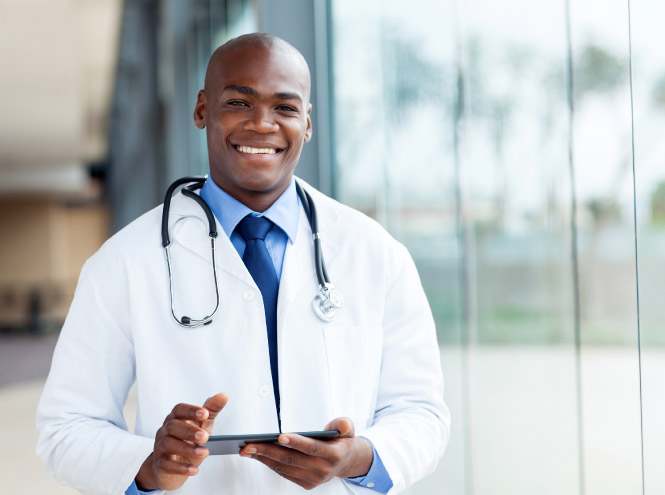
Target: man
(265, 363)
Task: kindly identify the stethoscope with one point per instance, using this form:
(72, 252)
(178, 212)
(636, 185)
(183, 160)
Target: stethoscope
(326, 302)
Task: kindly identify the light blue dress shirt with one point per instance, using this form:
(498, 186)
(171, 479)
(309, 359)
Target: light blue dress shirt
(285, 214)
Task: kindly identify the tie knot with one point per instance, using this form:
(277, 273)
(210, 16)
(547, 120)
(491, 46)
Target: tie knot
(252, 227)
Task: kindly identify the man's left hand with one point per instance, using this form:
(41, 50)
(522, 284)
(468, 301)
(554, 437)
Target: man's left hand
(308, 462)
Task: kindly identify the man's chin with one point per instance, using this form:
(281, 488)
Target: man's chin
(264, 184)
(251, 178)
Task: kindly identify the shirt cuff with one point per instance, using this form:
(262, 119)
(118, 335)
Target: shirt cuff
(377, 478)
(133, 490)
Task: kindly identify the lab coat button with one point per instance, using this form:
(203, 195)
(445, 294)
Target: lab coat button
(263, 390)
(249, 295)
(370, 484)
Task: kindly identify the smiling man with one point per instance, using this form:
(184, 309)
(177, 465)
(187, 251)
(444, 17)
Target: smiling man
(266, 363)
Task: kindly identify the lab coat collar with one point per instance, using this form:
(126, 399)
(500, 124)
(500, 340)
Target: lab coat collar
(188, 226)
(229, 211)
(192, 235)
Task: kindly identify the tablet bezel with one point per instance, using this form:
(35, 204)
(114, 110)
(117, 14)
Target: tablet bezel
(231, 444)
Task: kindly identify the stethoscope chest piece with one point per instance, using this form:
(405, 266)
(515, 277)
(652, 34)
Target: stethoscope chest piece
(327, 302)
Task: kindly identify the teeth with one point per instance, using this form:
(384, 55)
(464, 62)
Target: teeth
(256, 151)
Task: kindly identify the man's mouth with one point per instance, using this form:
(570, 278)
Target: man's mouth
(256, 151)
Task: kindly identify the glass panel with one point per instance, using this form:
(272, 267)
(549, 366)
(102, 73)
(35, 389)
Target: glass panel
(517, 204)
(608, 309)
(649, 110)
(393, 102)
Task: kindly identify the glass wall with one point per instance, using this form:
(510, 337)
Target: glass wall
(495, 141)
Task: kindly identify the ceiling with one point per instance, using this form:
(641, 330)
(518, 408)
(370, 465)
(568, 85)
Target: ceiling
(57, 60)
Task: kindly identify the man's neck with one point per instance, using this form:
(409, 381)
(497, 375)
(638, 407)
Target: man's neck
(258, 201)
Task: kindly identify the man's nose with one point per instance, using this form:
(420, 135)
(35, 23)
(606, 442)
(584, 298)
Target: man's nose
(261, 120)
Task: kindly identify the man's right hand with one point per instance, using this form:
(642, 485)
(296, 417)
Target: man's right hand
(175, 456)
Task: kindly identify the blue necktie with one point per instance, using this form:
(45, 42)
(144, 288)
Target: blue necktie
(260, 266)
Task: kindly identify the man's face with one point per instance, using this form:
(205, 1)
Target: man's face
(256, 112)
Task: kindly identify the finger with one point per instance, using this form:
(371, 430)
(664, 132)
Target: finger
(343, 425)
(172, 446)
(215, 404)
(284, 455)
(183, 430)
(309, 446)
(188, 412)
(296, 474)
(174, 467)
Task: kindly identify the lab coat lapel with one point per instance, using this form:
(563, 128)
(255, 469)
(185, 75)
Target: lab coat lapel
(298, 267)
(328, 218)
(188, 226)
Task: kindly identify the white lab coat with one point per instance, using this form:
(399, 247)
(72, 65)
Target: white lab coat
(377, 363)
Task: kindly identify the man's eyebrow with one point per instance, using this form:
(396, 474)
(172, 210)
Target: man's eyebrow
(248, 90)
(288, 96)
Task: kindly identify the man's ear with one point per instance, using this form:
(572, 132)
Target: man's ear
(201, 110)
(308, 132)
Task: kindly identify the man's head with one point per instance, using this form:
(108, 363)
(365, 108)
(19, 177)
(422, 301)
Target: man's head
(256, 112)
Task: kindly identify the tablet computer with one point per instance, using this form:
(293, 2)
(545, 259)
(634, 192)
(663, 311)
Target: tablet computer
(231, 444)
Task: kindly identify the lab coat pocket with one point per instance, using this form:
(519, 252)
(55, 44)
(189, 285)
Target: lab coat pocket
(354, 364)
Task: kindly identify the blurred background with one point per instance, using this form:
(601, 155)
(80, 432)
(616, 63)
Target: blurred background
(515, 147)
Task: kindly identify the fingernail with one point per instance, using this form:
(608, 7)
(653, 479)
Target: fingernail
(192, 470)
(200, 451)
(250, 450)
(200, 414)
(284, 440)
(200, 436)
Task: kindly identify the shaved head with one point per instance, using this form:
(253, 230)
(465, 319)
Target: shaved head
(265, 41)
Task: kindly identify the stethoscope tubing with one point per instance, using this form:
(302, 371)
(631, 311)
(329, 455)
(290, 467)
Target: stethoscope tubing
(310, 211)
(195, 183)
(198, 183)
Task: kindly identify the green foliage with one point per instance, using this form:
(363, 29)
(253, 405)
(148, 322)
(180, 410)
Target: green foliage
(658, 204)
(597, 70)
(603, 210)
(659, 93)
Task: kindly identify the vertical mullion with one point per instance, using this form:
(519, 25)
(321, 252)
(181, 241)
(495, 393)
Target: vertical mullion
(574, 251)
(463, 250)
(637, 271)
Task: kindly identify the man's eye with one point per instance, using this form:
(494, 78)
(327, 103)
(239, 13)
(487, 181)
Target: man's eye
(237, 103)
(287, 108)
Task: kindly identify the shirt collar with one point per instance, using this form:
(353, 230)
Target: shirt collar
(284, 212)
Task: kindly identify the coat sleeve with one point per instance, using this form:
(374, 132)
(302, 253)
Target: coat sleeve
(411, 422)
(83, 437)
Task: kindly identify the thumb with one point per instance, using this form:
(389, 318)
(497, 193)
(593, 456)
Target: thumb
(214, 405)
(343, 425)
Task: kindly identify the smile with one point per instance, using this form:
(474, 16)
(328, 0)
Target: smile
(256, 151)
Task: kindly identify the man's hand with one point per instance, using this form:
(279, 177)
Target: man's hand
(308, 462)
(175, 456)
